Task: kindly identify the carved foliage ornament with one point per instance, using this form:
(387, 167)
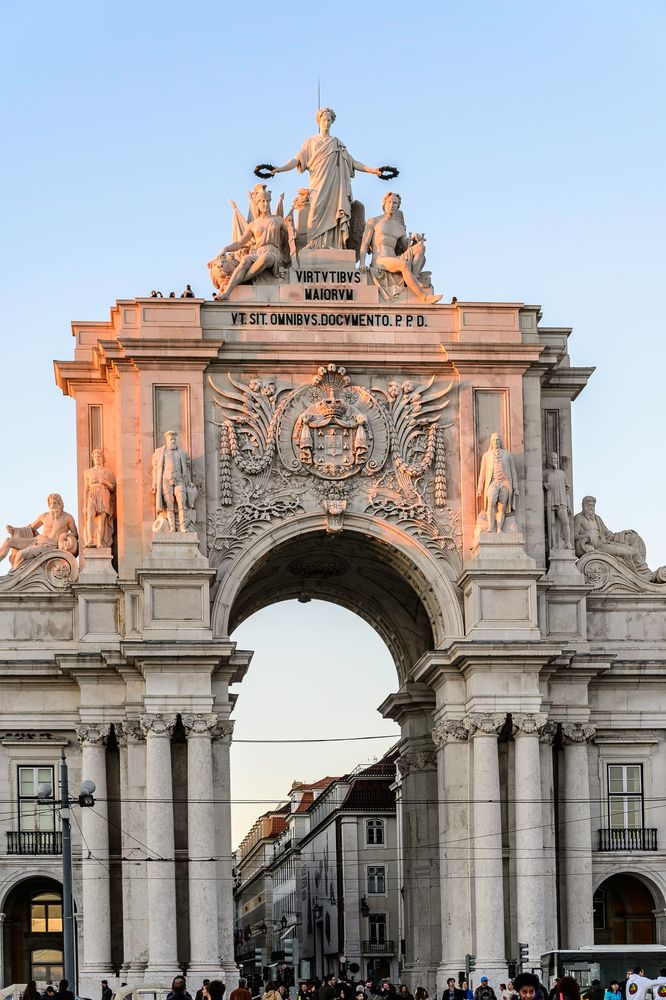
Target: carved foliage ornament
(449, 729)
(93, 733)
(411, 761)
(158, 725)
(577, 732)
(528, 723)
(484, 723)
(199, 724)
(131, 730)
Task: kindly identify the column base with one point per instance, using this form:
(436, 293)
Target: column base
(230, 975)
(417, 974)
(205, 970)
(451, 967)
(90, 976)
(495, 968)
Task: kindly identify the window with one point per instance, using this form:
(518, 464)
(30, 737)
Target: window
(46, 913)
(599, 909)
(46, 964)
(625, 796)
(374, 831)
(376, 879)
(33, 814)
(377, 928)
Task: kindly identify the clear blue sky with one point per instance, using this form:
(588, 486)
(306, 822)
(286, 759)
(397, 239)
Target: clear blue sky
(530, 140)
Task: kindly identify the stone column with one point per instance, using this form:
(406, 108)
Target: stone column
(451, 740)
(160, 868)
(2, 951)
(530, 918)
(225, 899)
(132, 741)
(487, 832)
(96, 890)
(417, 766)
(546, 735)
(577, 835)
(202, 868)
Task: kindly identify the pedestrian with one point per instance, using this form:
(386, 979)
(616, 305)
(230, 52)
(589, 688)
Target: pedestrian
(179, 989)
(526, 985)
(213, 990)
(50, 993)
(64, 992)
(327, 988)
(421, 993)
(566, 988)
(107, 992)
(452, 992)
(241, 992)
(31, 992)
(200, 992)
(596, 990)
(404, 993)
(613, 991)
(484, 990)
(270, 993)
(464, 986)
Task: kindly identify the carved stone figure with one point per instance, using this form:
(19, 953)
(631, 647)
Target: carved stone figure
(591, 534)
(558, 505)
(98, 503)
(268, 239)
(498, 483)
(58, 532)
(171, 478)
(395, 253)
(331, 168)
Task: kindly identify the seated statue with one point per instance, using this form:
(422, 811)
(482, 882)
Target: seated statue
(58, 532)
(397, 259)
(592, 535)
(266, 242)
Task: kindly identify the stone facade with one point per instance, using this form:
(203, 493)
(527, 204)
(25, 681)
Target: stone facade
(332, 449)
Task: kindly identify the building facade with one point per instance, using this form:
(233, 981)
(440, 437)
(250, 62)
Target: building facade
(355, 446)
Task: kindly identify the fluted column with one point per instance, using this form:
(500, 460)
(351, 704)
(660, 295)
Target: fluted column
(577, 835)
(451, 740)
(225, 899)
(96, 891)
(546, 736)
(484, 729)
(202, 868)
(530, 920)
(160, 868)
(132, 741)
(417, 765)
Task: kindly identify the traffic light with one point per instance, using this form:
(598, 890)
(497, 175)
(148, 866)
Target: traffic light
(86, 797)
(523, 955)
(291, 952)
(259, 957)
(470, 964)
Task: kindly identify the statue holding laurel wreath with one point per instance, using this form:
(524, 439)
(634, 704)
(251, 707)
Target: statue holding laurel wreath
(331, 168)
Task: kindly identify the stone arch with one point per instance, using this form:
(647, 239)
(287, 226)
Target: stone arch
(405, 592)
(21, 939)
(628, 900)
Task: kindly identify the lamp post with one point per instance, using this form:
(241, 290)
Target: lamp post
(86, 799)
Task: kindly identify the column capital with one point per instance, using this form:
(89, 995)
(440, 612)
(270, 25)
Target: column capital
(409, 761)
(131, 731)
(528, 723)
(223, 731)
(449, 729)
(484, 723)
(159, 724)
(578, 732)
(93, 733)
(199, 724)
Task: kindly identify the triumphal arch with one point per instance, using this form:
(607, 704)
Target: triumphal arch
(324, 425)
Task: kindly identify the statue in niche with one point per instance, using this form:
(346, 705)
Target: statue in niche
(98, 503)
(331, 168)
(58, 532)
(591, 534)
(498, 483)
(262, 246)
(558, 505)
(397, 259)
(172, 486)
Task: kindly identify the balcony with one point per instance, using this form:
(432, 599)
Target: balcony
(378, 948)
(627, 839)
(34, 842)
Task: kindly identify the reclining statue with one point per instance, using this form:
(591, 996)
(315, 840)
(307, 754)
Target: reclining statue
(58, 532)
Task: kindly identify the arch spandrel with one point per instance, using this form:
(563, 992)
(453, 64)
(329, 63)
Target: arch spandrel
(377, 570)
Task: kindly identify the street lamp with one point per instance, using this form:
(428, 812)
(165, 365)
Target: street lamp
(85, 798)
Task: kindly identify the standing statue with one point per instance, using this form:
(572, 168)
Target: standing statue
(397, 260)
(558, 505)
(98, 503)
(591, 534)
(58, 532)
(269, 249)
(498, 483)
(171, 475)
(331, 168)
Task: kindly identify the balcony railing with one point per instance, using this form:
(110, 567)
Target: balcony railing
(378, 947)
(627, 839)
(34, 842)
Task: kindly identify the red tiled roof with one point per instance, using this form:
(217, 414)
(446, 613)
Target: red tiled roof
(305, 803)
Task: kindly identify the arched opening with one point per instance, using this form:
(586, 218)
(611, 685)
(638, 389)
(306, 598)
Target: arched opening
(33, 932)
(624, 911)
